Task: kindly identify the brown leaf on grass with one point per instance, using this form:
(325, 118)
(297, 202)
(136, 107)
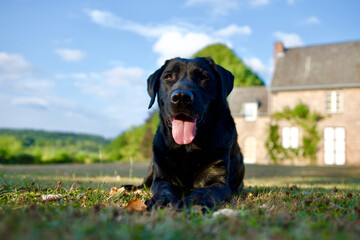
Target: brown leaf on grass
(116, 191)
(135, 206)
(349, 195)
(52, 197)
(308, 201)
(294, 188)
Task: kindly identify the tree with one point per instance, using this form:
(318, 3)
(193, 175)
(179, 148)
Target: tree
(225, 57)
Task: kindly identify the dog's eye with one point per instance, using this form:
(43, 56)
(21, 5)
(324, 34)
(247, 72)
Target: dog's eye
(203, 77)
(168, 76)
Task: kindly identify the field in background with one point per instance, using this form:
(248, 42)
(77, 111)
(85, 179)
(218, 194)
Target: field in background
(278, 202)
(120, 173)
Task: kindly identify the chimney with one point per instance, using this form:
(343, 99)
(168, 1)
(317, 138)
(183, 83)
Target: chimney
(278, 50)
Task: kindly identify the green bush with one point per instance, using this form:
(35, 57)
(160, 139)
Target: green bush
(23, 158)
(299, 116)
(62, 158)
(135, 143)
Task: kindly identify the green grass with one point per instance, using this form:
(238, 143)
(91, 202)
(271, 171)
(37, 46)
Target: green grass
(277, 203)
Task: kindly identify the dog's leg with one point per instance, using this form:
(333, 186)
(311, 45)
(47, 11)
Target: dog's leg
(163, 193)
(208, 196)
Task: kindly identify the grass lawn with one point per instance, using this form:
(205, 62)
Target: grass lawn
(277, 203)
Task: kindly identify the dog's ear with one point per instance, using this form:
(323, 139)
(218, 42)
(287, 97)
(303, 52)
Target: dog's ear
(226, 79)
(153, 83)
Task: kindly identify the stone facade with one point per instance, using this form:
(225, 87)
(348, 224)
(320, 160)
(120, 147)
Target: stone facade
(348, 118)
(324, 77)
(257, 130)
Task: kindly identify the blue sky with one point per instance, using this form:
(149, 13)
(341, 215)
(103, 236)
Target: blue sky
(81, 66)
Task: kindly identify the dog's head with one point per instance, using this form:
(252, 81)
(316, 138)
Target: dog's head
(186, 88)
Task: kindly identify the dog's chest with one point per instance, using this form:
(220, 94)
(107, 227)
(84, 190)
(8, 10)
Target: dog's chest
(193, 169)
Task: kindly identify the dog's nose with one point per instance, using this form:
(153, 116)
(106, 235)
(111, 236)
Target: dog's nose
(181, 96)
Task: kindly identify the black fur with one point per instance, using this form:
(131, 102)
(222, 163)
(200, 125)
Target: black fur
(209, 169)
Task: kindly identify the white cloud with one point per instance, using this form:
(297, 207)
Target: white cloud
(120, 76)
(257, 3)
(33, 86)
(290, 2)
(30, 101)
(311, 20)
(110, 20)
(107, 84)
(70, 55)
(218, 7)
(265, 71)
(14, 66)
(171, 41)
(289, 39)
(233, 30)
(176, 44)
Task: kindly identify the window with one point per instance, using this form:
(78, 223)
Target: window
(290, 137)
(250, 111)
(334, 101)
(334, 145)
(250, 150)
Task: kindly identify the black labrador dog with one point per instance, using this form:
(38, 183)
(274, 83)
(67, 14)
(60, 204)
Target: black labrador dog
(196, 160)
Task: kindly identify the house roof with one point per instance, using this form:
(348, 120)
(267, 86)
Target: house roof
(318, 67)
(241, 95)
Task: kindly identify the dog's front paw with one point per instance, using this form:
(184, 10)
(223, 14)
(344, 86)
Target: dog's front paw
(160, 202)
(191, 201)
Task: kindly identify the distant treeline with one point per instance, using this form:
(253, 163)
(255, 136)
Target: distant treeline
(39, 147)
(32, 146)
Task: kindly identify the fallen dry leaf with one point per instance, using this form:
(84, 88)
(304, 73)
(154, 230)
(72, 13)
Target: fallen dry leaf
(116, 191)
(52, 197)
(264, 206)
(81, 195)
(135, 206)
(139, 191)
(308, 201)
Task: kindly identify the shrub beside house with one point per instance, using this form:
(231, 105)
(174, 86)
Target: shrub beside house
(326, 79)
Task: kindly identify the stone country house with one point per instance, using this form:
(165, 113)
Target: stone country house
(324, 77)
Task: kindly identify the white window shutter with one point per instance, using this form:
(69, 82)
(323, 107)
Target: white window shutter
(339, 146)
(294, 137)
(334, 146)
(286, 137)
(329, 145)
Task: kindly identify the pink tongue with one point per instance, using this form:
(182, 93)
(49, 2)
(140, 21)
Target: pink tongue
(183, 132)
